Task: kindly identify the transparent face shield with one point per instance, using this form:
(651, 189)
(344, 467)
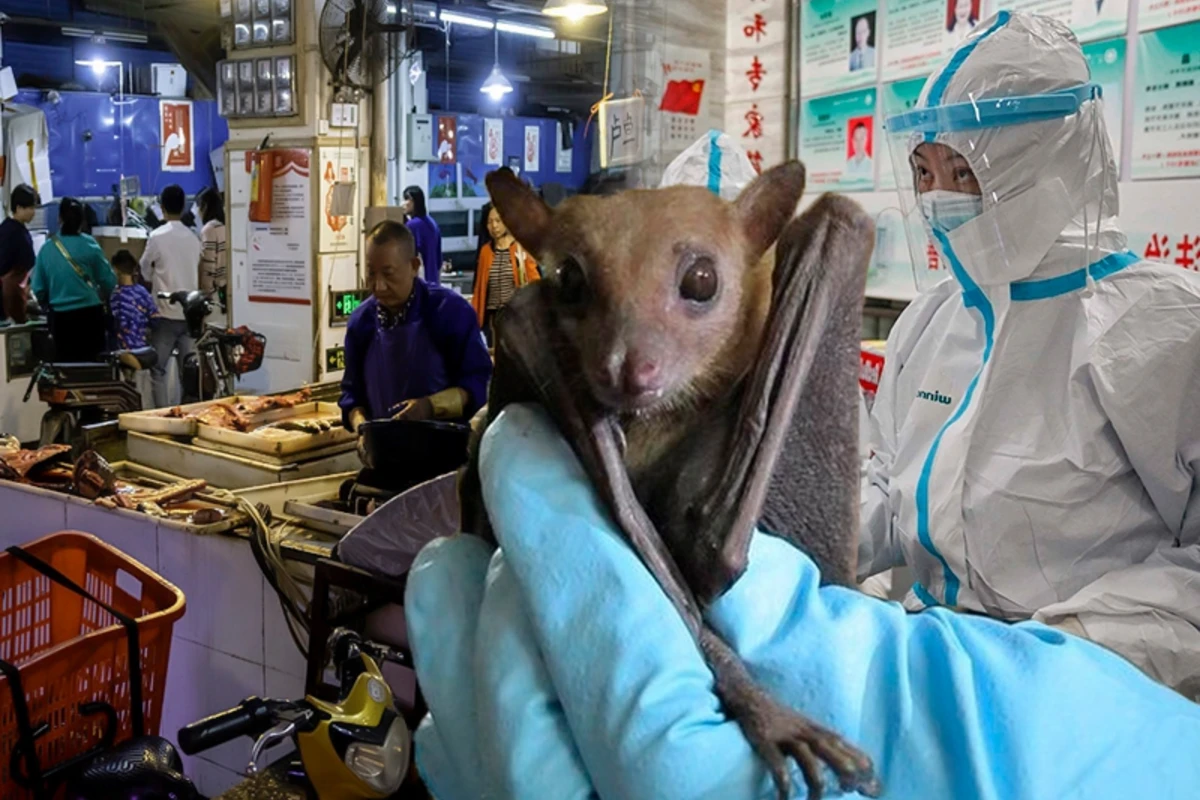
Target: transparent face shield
(940, 188)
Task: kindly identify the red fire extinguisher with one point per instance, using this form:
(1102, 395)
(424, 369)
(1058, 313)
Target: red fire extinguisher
(261, 171)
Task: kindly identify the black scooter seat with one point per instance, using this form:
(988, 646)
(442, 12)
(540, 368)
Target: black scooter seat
(146, 356)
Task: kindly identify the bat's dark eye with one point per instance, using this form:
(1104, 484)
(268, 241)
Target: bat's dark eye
(699, 283)
(572, 283)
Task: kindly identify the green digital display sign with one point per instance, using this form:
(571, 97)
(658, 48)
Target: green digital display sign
(342, 303)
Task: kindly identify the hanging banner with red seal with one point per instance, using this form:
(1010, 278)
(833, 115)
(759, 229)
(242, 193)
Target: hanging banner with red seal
(175, 136)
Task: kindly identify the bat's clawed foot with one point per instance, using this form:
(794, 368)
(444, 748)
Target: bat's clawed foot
(777, 733)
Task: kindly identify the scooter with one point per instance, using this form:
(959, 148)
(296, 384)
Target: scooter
(221, 355)
(357, 747)
(83, 396)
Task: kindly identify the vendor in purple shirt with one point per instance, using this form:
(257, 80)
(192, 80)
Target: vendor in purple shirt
(425, 231)
(413, 351)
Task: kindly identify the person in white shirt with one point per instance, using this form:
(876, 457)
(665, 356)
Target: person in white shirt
(859, 164)
(172, 262)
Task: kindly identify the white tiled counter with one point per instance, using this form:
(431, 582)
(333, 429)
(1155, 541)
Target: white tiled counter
(232, 641)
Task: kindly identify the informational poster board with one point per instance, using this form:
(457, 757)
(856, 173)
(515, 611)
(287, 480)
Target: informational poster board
(838, 141)
(493, 142)
(1106, 60)
(280, 251)
(175, 135)
(1166, 127)
(1154, 14)
(919, 34)
(686, 81)
(1089, 19)
(895, 98)
(839, 45)
(337, 233)
(533, 148)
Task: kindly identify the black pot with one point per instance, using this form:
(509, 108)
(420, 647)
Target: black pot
(402, 453)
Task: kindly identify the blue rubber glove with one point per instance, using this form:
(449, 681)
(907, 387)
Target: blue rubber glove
(556, 668)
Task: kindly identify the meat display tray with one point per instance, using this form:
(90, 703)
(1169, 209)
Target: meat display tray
(155, 421)
(281, 444)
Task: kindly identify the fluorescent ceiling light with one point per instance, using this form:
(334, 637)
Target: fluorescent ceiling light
(391, 8)
(115, 36)
(535, 31)
(463, 19)
(574, 9)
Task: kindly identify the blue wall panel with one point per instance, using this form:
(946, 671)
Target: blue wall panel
(469, 133)
(86, 152)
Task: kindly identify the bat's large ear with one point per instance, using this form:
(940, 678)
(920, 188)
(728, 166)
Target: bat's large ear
(525, 215)
(768, 203)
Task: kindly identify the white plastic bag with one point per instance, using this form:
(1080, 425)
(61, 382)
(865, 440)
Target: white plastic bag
(715, 161)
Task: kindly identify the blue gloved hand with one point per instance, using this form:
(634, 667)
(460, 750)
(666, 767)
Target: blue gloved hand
(556, 668)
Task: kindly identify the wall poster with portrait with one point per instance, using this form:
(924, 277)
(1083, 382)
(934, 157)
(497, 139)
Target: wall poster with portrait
(837, 141)
(839, 45)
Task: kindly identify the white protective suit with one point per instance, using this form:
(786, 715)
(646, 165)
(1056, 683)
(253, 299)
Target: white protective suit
(1035, 443)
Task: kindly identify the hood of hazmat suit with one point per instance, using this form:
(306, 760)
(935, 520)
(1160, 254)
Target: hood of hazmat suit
(1032, 453)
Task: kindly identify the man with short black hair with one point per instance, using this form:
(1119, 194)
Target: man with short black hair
(172, 263)
(413, 350)
(16, 253)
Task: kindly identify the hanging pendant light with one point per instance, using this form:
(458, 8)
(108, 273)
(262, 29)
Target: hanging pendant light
(574, 9)
(496, 85)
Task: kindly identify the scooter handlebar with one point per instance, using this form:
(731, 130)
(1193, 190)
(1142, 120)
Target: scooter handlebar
(250, 717)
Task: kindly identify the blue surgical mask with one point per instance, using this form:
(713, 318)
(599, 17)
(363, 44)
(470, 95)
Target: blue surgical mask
(945, 211)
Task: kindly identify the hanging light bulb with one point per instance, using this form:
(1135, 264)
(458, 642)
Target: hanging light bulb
(574, 10)
(496, 85)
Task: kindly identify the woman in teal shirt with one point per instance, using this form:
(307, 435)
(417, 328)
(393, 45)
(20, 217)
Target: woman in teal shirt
(73, 279)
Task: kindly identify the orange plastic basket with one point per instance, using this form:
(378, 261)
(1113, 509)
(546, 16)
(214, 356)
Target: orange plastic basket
(70, 651)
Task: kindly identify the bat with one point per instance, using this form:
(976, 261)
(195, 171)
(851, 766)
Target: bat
(701, 358)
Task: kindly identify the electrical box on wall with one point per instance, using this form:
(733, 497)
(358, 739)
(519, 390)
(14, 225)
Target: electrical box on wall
(343, 115)
(168, 80)
(420, 138)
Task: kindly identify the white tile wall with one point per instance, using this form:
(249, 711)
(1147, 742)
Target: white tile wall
(202, 681)
(280, 651)
(25, 516)
(133, 534)
(223, 585)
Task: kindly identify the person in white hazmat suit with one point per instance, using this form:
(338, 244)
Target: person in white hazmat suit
(1033, 443)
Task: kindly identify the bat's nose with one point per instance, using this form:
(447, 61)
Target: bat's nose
(640, 375)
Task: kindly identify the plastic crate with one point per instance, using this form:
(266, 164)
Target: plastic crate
(71, 651)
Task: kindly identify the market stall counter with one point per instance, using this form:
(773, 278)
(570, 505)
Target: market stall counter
(236, 442)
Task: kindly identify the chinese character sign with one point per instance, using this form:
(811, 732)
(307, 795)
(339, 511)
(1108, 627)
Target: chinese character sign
(756, 37)
(493, 142)
(533, 144)
(175, 129)
(621, 132)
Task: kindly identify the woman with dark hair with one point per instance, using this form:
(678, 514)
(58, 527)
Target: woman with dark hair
(214, 267)
(73, 279)
(426, 233)
(503, 266)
